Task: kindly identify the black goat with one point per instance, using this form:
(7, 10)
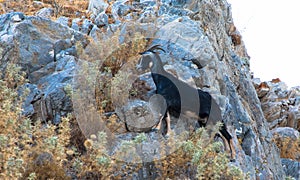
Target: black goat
(183, 98)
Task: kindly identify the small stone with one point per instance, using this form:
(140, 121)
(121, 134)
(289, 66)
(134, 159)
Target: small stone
(101, 20)
(93, 137)
(37, 4)
(88, 143)
(70, 152)
(45, 12)
(17, 17)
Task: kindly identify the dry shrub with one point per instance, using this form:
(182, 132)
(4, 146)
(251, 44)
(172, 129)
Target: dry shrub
(116, 70)
(289, 147)
(139, 90)
(200, 157)
(77, 137)
(72, 9)
(68, 8)
(96, 162)
(115, 125)
(120, 54)
(47, 157)
(28, 149)
(25, 6)
(44, 166)
(109, 73)
(14, 129)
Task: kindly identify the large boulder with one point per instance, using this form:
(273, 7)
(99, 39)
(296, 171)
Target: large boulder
(32, 42)
(139, 116)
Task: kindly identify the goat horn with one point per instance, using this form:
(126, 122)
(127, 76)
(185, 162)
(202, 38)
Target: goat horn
(153, 48)
(157, 46)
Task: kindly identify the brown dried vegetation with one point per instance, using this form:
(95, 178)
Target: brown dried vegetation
(68, 8)
(289, 148)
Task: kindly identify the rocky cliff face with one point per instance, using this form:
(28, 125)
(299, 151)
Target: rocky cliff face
(281, 109)
(279, 104)
(203, 48)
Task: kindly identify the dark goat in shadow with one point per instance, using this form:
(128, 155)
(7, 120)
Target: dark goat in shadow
(183, 98)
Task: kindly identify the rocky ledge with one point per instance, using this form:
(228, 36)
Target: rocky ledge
(203, 48)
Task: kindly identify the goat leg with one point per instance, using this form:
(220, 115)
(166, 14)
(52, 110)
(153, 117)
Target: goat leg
(168, 121)
(233, 152)
(157, 127)
(227, 146)
(228, 141)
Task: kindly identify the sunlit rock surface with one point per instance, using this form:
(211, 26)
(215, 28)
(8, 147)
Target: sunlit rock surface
(203, 48)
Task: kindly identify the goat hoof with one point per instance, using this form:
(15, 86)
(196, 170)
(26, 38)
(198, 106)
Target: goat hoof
(232, 160)
(167, 136)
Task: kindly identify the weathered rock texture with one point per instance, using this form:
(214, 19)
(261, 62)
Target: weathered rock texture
(281, 106)
(291, 168)
(202, 47)
(44, 51)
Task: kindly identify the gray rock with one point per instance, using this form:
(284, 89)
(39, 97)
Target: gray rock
(189, 42)
(45, 13)
(60, 45)
(67, 62)
(96, 6)
(63, 20)
(38, 4)
(139, 116)
(121, 8)
(291, 168)
(101, 19)
(297, 101)
(84, 25)
(17, 17)
(173, 11)
(286, 132)
(34, 94)
(179, 3)
(87, 26)
(76, 24)
(35, 41)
